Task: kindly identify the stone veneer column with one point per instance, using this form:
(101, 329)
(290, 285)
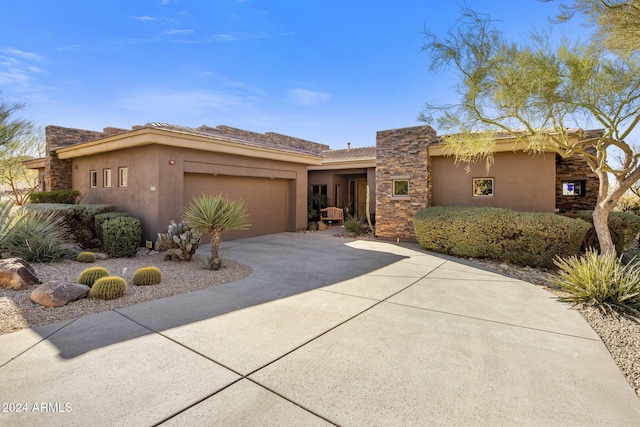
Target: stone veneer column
(402, 154)
(57, 173)
(575, 168)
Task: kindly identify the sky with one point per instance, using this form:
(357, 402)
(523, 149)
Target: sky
(330, 71)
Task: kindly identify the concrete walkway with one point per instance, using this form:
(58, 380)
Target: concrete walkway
(325, 331)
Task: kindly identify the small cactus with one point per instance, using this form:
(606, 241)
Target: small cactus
(147, 276)
(91, 274)
(109, 287)
(87, 257)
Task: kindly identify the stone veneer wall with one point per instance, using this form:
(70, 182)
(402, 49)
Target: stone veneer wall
(57, 173)
(575, 168)
(270, 137)
(402, 153)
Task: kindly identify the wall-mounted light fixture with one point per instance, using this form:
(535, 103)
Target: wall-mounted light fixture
(172, 162)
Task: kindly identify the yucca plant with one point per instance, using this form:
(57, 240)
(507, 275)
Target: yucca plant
(37, 236)
(9, 219)
(603, 281)
(353, 225)
(213, 215)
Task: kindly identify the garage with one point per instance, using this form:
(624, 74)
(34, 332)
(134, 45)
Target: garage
(267, 200)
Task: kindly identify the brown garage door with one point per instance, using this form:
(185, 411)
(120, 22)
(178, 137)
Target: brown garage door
(266, 200)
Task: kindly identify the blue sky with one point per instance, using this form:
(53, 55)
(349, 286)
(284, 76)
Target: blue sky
(330, 71)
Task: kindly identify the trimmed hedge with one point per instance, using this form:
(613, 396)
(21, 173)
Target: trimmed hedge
(121, 236)
(80, 219)
(623, 226)
(523, 238)
(101, 218)
(59, 196)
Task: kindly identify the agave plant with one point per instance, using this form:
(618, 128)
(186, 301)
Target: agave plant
(37, 236)
(213, 215)
(9, 220)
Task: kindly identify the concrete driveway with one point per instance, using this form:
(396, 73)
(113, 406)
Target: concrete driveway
(325, 331)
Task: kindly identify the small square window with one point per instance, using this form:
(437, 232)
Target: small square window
(93, 179)
(123, 177)
(400, 188)
(482, 187)
(106, 178)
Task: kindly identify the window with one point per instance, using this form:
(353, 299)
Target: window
(106, 178)
(123, 177)
(482, 187)
(93, 179)
(400, 188)
(318, 197)
(573, 188)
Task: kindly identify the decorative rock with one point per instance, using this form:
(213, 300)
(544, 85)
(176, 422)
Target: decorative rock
(16, 274)
(101, 255)
(57, 293)
(71, 250)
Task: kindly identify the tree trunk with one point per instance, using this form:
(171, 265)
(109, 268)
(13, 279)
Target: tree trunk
(601, 225)
(215, 245)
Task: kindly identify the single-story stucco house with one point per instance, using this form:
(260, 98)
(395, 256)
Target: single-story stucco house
(154, 171)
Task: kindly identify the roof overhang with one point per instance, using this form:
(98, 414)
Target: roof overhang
(34, 163)
(174, 138)
(347, 164)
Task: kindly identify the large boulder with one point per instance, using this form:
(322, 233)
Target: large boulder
(57, 293)
(17, 274)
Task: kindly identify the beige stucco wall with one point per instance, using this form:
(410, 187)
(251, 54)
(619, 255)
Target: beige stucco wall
(522, 182)
(155, 192)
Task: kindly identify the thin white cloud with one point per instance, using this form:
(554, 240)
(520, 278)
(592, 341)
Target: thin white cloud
(307, 97)
(23, 54)
(160, 103)
(240, 36)
(177, 32)
(17, 68)
(144, 18)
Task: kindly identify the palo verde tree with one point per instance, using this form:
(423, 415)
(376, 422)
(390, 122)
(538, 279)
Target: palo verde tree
(17, 141)
(536, 93)
(617, 21)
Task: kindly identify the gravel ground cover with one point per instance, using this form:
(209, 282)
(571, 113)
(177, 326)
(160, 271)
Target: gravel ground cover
(17, 311)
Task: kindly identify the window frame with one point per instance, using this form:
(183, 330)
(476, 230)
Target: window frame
(123, 177)
(93, 178)
(477, 181)
(395, 193)
(106, 178)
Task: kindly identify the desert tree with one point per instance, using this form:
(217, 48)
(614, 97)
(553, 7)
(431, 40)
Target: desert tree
(539, 94)
(21, 181)
(617, 22)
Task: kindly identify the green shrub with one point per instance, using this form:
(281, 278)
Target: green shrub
(80, 220)
(109, 287)
(38, 237)
(100, 219)
(623, 226)
(58, 196)
(86, 257)
(353, 225)
(121, 236)
(603, 281)
(147, 276)
(90, 275)
(522, 238)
